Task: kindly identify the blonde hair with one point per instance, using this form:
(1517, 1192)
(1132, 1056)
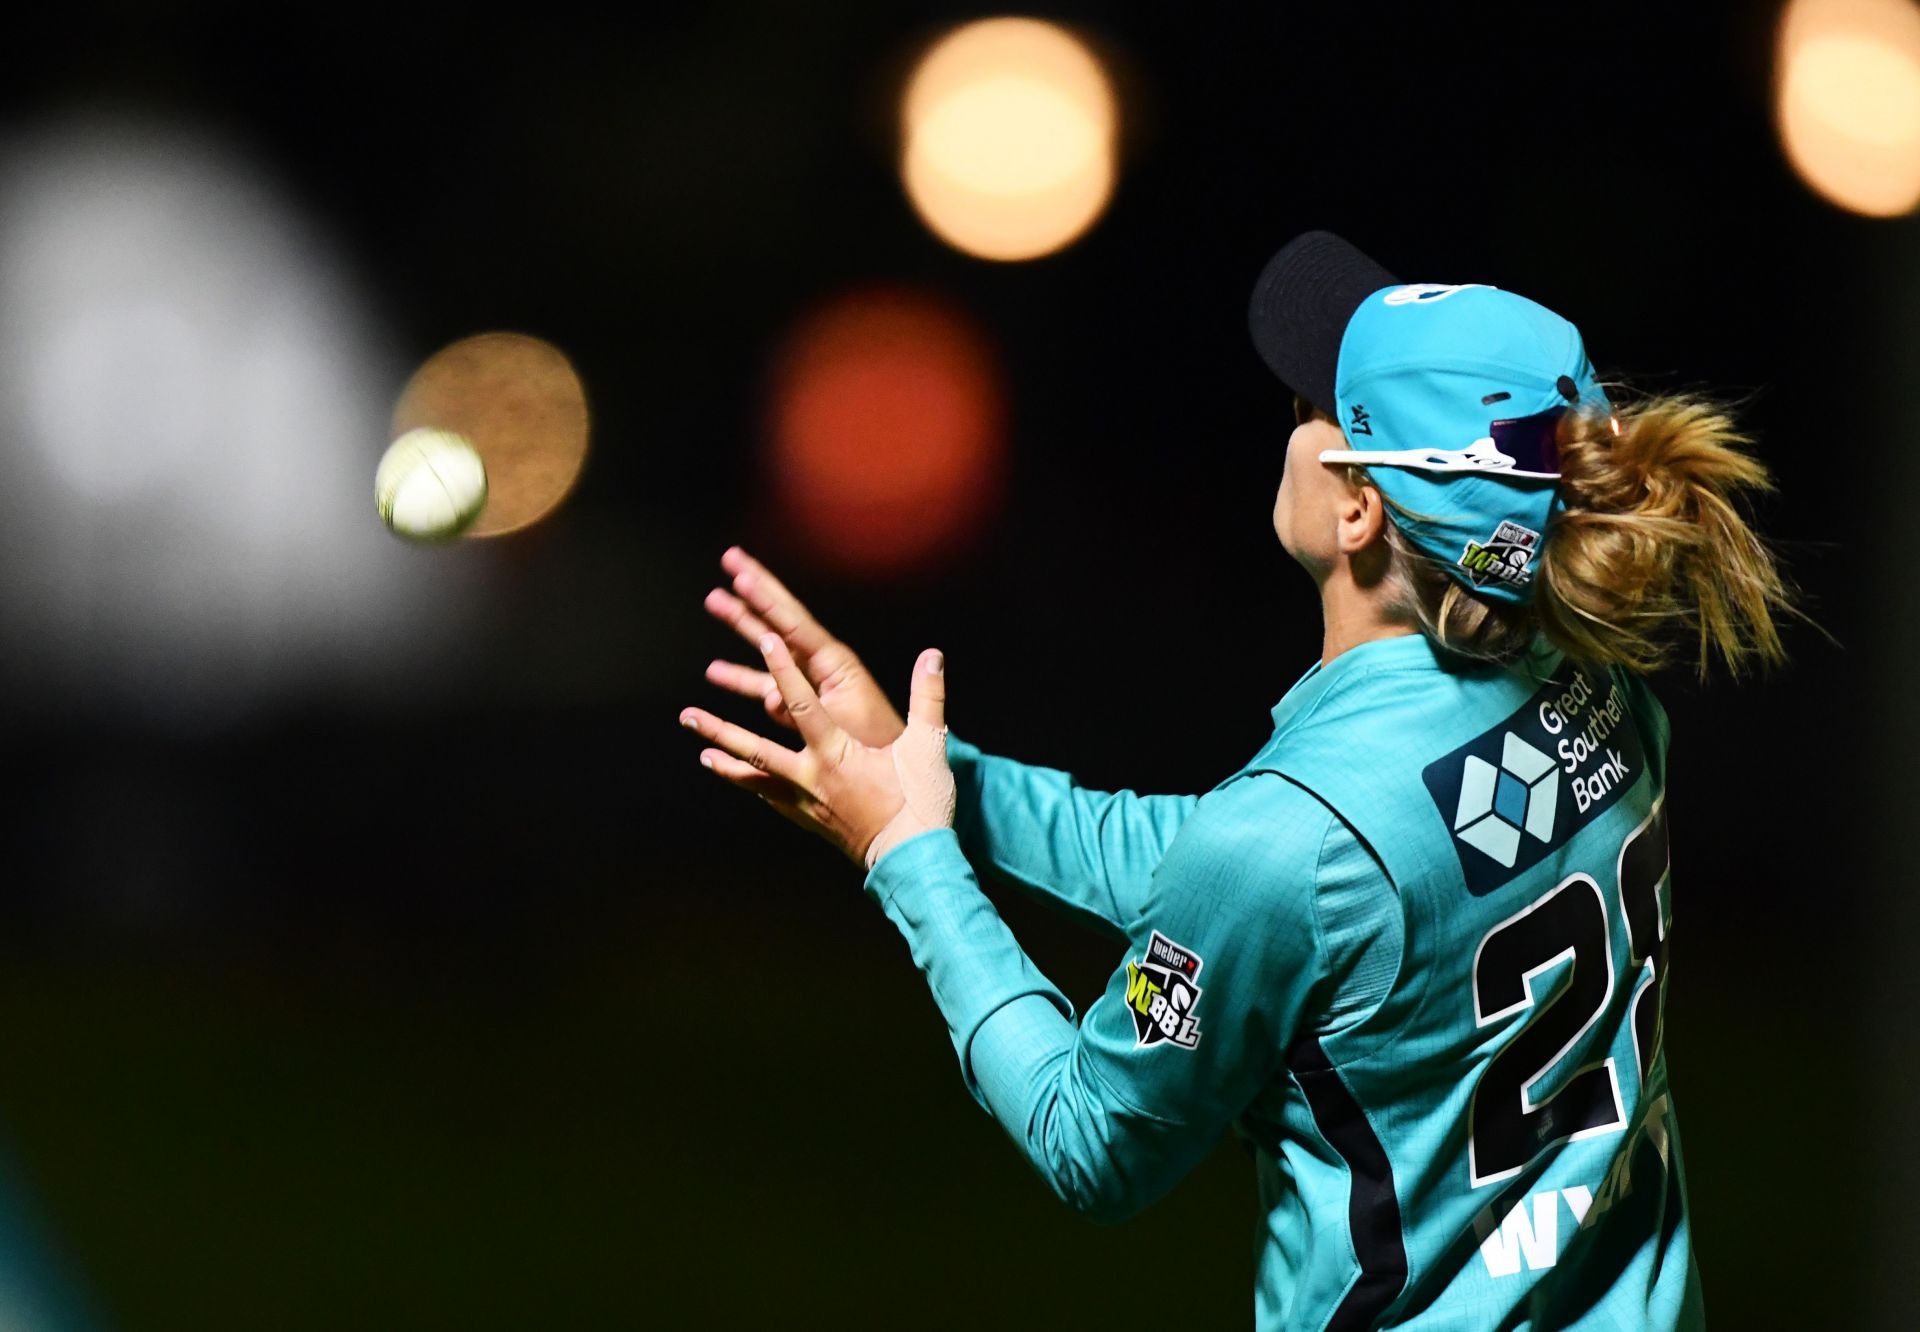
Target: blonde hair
(1654, 545)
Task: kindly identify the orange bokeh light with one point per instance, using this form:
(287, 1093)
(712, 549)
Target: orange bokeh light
(888, 433)
(1847, 101)
(1008, 132)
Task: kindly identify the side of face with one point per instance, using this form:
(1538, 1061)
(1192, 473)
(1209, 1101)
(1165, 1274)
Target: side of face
(1303, 511)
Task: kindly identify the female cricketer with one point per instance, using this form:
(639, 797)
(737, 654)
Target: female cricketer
(1416, 948)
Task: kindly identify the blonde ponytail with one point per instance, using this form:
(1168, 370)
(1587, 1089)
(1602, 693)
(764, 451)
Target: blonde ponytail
(1653, 545)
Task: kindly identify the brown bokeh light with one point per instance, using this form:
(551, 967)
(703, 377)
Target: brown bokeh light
(519, 402)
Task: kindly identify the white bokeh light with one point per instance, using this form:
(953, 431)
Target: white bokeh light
(192, 397)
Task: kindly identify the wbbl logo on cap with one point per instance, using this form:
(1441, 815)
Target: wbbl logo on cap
(1506, 556)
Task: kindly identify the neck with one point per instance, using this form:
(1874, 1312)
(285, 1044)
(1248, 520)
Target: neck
(1354, 615)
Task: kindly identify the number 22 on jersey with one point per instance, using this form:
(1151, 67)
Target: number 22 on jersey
(1507, 1127)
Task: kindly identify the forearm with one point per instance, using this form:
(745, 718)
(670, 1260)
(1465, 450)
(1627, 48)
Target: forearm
(1017, 1044)
(972, 962)
(1104, 1158)
(1093, 851)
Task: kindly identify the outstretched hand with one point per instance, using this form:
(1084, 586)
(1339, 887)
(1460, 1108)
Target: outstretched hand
(760, 604)
(863, 798)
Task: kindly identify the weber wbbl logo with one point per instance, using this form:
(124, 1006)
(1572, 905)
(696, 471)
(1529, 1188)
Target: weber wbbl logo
(1504, 557)
(1161, 993)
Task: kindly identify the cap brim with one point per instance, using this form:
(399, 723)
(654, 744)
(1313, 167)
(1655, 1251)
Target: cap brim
(1301, 305)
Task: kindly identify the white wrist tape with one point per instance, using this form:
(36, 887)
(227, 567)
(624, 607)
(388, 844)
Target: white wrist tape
(920, 762)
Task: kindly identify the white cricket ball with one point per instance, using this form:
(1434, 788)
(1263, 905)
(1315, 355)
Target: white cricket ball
(430, 485)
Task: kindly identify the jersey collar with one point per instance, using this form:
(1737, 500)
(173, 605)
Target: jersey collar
(1400, 650)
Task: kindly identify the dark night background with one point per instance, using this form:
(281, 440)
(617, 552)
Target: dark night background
(489, 1008)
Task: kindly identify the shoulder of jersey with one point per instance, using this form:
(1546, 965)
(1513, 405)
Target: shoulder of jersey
(1260, 816)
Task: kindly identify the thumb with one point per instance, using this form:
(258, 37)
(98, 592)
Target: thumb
(927, 704)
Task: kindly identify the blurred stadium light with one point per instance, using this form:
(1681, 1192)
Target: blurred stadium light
(520, 404)
(193, 397)
(887, 431)
(1847, 101)
(1007, 138)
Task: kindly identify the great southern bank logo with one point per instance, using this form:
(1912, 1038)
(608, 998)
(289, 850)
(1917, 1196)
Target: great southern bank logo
(1515, 793)
(1496, 804)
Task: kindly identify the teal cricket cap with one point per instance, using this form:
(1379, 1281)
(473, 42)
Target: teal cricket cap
(1450, 394)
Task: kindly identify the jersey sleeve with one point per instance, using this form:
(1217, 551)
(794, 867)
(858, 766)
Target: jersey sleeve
(1091, 851)
(1220, 973)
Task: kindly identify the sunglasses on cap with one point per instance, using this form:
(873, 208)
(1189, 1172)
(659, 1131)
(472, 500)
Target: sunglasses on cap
(1525, 446)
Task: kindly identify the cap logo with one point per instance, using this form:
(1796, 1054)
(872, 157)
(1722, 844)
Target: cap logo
(1425, 293)
(1361, 424)
(1503, 557)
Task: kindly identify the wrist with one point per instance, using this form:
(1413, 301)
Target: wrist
(926, 783)
(902, 827)
(909, 867)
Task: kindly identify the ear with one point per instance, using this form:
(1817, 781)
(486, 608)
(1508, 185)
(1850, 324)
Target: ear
(1361, 520)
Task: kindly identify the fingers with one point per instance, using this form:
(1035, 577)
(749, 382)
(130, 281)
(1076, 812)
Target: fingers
(786, 798)
(742, 680)
(769, 607)
(757, 751)
(927, 704)
(749, 683)
(729, 609)
(770, 600)
(747, 777)
(803, 705)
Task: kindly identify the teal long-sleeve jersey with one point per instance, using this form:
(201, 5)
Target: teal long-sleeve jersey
(1414, 951)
